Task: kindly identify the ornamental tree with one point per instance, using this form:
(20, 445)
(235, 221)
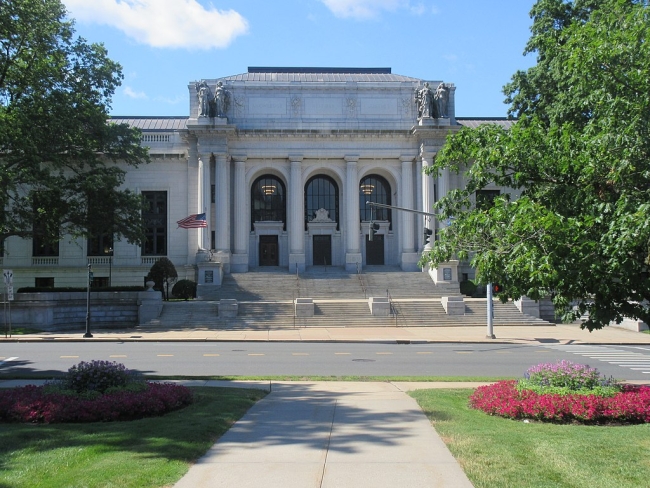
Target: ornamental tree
(163, 273)
(58, 148)
(576, 225)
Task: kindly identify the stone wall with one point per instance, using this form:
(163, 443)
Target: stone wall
(54, 311)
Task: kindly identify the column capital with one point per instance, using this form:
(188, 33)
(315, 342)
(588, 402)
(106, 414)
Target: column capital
(406, 159)
(238, 158)
(351, 158)
(295, 158)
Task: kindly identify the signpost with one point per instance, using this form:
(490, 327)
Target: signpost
(89, 282)
(8, 276)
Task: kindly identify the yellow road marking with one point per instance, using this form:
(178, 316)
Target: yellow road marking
(68, 357)
(543, 351)
(424, 352)
(464, 352)
(256, 354)
(384, 353)
(210, 355)
(117, 356)
(165, 355)
(300, 354)
(503, 352)
(342, 353)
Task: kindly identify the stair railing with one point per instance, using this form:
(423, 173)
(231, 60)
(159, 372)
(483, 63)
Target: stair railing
(361, 282)
(392, 306)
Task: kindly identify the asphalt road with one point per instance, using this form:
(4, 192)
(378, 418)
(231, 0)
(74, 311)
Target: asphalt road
(256, 358)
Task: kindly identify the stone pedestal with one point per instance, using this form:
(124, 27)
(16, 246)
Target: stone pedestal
(528, 307)
(150, 305)
(379, 306)
(445, 272)
(453, 305)
(304, 307)
(210, 273)
(224, 258)
(239, 263)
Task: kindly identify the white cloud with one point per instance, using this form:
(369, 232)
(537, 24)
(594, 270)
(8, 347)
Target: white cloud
(131, 93)
(368, 9)
(163, 23)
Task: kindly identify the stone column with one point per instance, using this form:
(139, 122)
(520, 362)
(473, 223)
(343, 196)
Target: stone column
(242, 193)
(296, 217)
(222, 211)
(194, 198)
(428, 190)
(409, 258)
(206, 183)
(353, 257)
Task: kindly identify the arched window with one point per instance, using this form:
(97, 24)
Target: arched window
(321, 192)
(374, 188)
(268, 201)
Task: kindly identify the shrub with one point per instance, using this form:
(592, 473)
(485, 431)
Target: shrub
(468, 288)
(185, 289)
(566, 377)
(162, 273)
(96, 376)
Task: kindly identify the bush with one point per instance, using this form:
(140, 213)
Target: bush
(96, 376)
(185, 289)
(162, 273)
(565, 376)
(467, 288)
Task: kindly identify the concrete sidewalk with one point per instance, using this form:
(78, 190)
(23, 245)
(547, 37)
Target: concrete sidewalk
(561, 334)
(330, 435)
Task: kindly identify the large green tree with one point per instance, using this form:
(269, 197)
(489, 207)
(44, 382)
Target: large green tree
(58, 148)
(577, 224)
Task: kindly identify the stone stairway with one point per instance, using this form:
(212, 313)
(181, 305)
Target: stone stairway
(265, 297)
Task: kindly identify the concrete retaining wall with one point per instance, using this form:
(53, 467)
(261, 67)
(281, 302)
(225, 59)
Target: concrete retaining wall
(53, 311)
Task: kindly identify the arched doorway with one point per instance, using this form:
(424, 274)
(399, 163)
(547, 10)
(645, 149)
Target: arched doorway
(269, 205)
(321, 216)
(375, 188)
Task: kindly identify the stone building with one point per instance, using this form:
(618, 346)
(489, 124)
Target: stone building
(281, 162)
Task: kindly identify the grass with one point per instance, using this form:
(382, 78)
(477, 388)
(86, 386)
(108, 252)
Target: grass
(151, 452)
(21, 331)
(499, 452)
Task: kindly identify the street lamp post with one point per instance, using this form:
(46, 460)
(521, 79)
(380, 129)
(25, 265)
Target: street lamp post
(110, 267)
(89, 282)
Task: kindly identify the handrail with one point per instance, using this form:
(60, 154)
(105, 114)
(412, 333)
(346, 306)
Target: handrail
(363, 285)
(391, 305)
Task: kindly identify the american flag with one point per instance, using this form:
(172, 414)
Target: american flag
(193, 221)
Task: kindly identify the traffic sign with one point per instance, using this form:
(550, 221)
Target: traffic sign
(8, 275)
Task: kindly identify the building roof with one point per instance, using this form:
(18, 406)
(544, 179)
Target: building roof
(153, 123)
(474, 122)
(319, 75)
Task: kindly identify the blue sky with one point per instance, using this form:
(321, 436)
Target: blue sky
(163, 45)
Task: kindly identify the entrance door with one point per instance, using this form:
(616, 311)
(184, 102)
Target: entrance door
(322, 250)
(269, 251)
(375, 250)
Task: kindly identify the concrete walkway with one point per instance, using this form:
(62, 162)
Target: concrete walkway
(330, 435)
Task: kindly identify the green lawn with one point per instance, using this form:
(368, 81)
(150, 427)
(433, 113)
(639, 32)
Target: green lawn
(151, 452)
(496, 452)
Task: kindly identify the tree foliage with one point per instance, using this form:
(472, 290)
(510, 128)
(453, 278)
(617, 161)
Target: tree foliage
(55, 137)
(576, 225)
(163, 273)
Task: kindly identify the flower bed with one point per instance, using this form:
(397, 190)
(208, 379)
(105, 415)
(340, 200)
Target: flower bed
(564, 392)
(35, 404)
(95, 391)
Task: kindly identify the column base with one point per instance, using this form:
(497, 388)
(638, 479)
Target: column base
(353, 262)
(239, 263)
(223, 257)
(297, 262)
(409, 261)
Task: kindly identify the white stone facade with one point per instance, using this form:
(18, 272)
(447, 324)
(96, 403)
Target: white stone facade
(312, 135)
